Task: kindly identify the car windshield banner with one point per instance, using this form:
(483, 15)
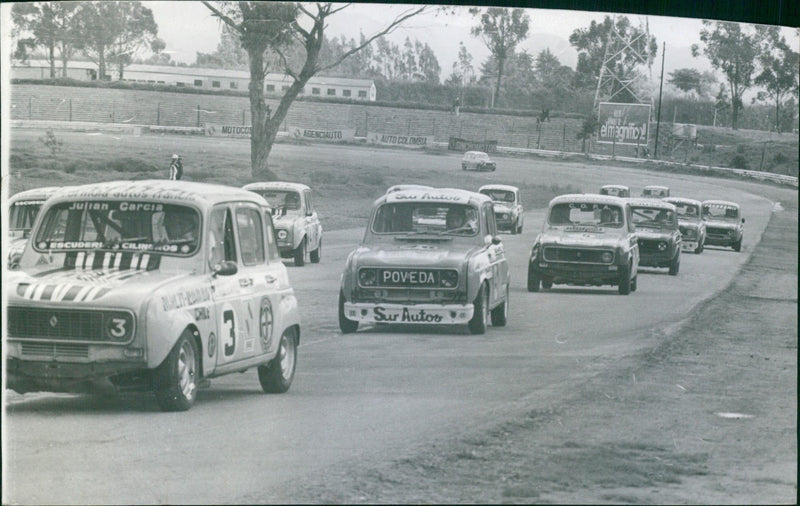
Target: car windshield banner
(627, 124)
(457, 144)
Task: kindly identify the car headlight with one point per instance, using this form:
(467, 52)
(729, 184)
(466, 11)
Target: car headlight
(607, 257)
(662, 246)
(367, 277)
(118, 326)
(504, 216)
(282, 234)
(449, 279)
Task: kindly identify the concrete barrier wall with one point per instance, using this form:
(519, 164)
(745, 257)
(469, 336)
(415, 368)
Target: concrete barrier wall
(60, 103)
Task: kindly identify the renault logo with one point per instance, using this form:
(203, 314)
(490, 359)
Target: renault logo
(53, 321)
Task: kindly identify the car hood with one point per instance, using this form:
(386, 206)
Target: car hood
(413, 255)
(654, 234)
(89, 286)
(503, 208)
(690, 224)
(562, 237)
(285, 221)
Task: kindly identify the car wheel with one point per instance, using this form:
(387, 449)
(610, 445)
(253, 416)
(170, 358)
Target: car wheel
(624, 281)
(737, 246)
(300, 253)
(699, 249)
(519, 229)
(477, 325)
(175, 379)
(534, 278)
(276, 376)
(547, 283)
(500, 313)
(345, 325)
(634, 283)
(316, 254)
(675, 265)
(463, 166)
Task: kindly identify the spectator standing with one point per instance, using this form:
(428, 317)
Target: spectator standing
(176, 168)
(456, 105)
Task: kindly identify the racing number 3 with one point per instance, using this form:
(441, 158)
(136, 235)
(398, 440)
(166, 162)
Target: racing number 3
(229, 321)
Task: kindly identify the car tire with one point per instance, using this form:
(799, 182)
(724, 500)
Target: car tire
(547, 283)
(737, 246)
(493, 169)
(175, 380)
(300, 253)
(477, 325)
(624, 285)
(463, 166)
(276, 376)
(500, 313)
(635, 283)
(345, 325)
(519, 229)
(316, 255)
(534, 278)
(675, 265)
(698, 249)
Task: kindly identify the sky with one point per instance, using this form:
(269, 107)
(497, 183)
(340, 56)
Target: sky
(189, 27)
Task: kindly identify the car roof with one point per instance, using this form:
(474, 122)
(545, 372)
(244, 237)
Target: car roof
(653, 204)
(42, 193)
(161, 190)
(720, 203)
(655, 187)
(276, 185)
(399, 187)
(683, 200)
(614, 186)
(589, 198)
(476, 153)
(440, 195)
(506, 187)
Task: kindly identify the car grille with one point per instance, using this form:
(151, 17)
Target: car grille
(55, 350)
(717, 232)
(586, 256)
(688, 233)
(650, 245)
(59, 324)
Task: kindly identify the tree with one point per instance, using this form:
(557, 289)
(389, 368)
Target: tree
(229, 54)
(115, 31)
(462, 72)
(779, 74)
(593, 48)
(51, 26)
(266, 25)
(735, 52)
(501, 30)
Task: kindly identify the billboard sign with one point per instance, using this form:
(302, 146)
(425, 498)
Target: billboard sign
(627, 124)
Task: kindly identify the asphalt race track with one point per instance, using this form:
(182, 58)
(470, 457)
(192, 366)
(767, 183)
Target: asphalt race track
(381, 393)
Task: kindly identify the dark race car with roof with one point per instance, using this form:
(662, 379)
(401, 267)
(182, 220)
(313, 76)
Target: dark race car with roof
(657, 233)
(724, 224)
(427, 257)
(690, 223)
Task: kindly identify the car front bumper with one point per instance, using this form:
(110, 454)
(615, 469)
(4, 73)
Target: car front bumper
(431, 314)
(579, 274)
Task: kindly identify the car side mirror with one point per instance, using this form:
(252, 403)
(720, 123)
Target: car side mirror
(224, 268)
(496, 240)
(742, 220)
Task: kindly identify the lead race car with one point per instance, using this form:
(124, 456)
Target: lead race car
(153, 286)
(23, 209)
(724, 224)
(427, 257)
(297, 225)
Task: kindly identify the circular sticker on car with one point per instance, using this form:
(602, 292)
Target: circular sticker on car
(265, 322)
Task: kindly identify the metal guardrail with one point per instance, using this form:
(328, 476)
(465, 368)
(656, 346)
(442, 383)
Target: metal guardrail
(137, 129)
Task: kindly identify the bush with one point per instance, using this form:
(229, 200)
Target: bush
(132, 165)
(739, 162)
(780, 158)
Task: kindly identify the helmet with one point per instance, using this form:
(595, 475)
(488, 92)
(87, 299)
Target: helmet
(174, 157)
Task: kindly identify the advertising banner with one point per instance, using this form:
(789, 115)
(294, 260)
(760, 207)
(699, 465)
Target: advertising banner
(457, 144)
(215, 130)
(627, 124)
(312, 134)
(406, 141)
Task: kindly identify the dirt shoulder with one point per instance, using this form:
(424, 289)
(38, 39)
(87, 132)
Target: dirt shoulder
(709, 415)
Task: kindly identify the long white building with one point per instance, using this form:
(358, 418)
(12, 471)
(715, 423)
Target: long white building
(209, 79)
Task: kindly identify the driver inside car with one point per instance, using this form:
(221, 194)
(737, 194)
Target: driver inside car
(460, 219)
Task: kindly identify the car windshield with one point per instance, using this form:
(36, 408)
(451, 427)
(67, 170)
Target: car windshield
(120, 226)
(282, 201)
(586, 214)
(720, 212)
(499, 195)
(618, 192)
(22, 215)
(654, 192)
(652, 217)
(409, 218)
(687, 210)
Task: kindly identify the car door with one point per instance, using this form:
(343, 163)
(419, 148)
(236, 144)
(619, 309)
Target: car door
(497, 258)
(312, 224)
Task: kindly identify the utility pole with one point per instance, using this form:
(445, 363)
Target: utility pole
(660, 87)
